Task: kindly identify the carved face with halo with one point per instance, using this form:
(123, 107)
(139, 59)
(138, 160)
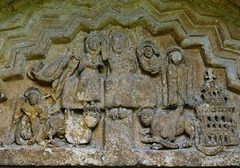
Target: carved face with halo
(149, 56)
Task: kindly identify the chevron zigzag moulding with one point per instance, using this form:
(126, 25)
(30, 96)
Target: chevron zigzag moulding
(119, 83)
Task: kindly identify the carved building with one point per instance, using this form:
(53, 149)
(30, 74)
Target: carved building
(119, 83)
(218, 125)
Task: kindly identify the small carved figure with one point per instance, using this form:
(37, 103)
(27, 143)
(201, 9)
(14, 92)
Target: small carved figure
(33, 111)
(85, 86)
(165, 126)
(90, 81)
(149, 57)
(79, 127)
(179, 78)
(29, 119)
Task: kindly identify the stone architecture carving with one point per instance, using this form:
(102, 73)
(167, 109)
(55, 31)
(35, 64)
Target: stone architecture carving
(218, 126)
(157, 85)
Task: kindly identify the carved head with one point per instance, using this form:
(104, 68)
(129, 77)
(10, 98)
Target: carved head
(92, 43)
(119, 42)
(92, 115)
(146, 115)
(33, 95)
(176, 55)
(148, 56)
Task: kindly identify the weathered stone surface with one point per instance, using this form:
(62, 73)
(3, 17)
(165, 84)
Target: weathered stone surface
(119, 83)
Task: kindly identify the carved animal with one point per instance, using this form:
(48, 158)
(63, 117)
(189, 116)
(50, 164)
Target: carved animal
(167, 125)
(164, 123)
(55, 127)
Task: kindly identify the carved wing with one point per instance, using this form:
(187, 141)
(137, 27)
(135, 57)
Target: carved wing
(51, 72)
(17, 111)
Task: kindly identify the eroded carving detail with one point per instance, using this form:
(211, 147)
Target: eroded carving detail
(218, 127)
(79, 126)
(165, 126)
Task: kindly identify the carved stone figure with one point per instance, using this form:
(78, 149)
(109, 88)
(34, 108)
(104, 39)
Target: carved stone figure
(85, 86)
(179, 78)
(29, 119)
(164, 126)
(149, 57)
(79, 126)
(150, 61)
(120, 78)
(34, 112)
(217, 125)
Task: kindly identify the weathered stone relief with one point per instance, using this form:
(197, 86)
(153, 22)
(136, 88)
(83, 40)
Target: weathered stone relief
(111, 75)
(217, 123)
(114, 76)
(122, 94)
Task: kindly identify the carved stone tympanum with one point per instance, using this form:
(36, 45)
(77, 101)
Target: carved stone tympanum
(119, 83)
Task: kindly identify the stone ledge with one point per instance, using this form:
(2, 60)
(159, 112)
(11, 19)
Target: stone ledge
(97, 157)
